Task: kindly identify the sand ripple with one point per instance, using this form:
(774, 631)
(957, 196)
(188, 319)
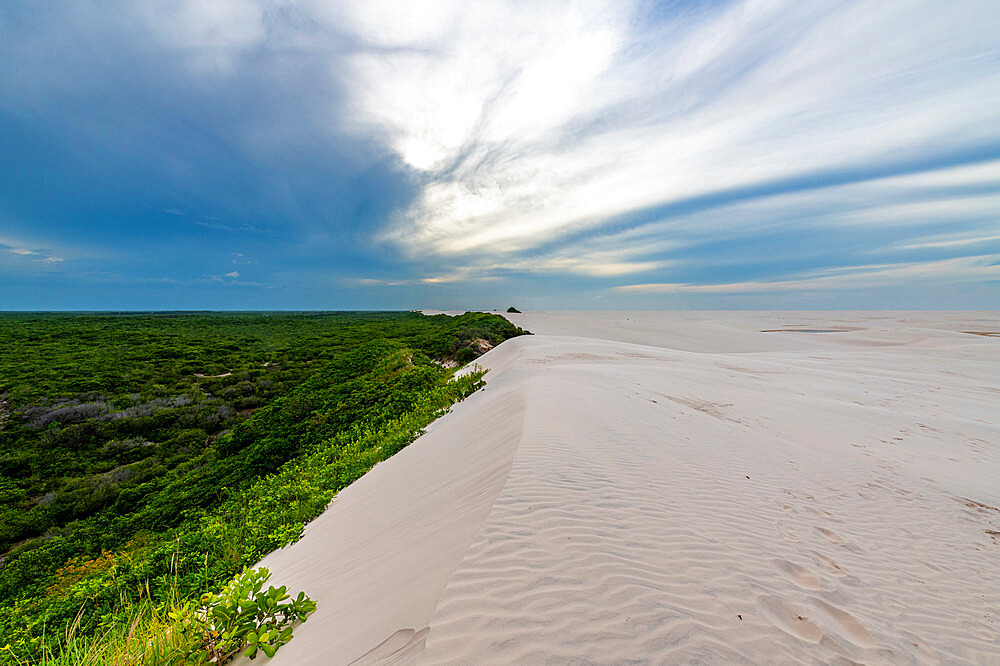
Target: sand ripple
(657, 513)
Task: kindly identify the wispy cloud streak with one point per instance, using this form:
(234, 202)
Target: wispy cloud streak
(955, 271)
(530, 126)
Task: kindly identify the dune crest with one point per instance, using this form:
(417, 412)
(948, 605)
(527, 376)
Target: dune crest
(777, 496)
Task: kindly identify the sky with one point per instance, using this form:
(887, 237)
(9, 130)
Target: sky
(309, 154)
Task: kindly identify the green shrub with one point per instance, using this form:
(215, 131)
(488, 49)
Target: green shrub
(242, 617)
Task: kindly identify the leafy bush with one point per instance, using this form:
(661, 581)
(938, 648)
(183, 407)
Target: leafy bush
(241, 617)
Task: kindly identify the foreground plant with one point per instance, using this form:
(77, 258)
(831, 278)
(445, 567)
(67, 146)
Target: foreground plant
(241, 617)
(244, 616)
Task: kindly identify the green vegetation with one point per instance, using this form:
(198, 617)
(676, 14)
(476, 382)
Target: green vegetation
(243, 617)
(146, 459)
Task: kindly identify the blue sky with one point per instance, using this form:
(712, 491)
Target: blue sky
(305, 154)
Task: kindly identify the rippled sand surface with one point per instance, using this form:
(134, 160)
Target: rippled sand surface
(682, 487)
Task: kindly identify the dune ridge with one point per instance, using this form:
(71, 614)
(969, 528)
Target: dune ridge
(381, 554)
(782, 497)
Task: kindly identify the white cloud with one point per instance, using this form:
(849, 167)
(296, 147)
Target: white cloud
(530, 121)
(231, 279)
(29, 254)
(949, 242)
(900, 206)
(954, 271)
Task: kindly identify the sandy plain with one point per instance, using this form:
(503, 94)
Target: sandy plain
(682, 487)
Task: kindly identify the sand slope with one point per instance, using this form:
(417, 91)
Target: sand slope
(680, 487)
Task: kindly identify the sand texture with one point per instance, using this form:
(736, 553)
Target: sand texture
(682, 487)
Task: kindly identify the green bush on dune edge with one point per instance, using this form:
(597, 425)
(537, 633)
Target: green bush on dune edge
(145, 601)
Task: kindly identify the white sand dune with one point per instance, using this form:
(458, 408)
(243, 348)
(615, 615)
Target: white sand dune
(681, 487)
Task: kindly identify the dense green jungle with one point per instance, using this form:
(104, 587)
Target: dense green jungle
(147, 458)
